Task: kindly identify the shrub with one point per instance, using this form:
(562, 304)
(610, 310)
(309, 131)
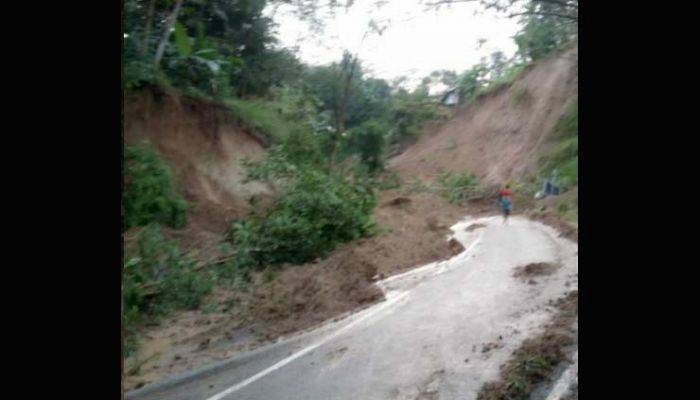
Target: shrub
(317, 212)
(158, 279)
(149, 195)
(459, 188)
(368, 142)
(140, 73)
(563, 160)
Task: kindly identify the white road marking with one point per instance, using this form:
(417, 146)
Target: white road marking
(282, 363)
(389, 302)
(434, 265)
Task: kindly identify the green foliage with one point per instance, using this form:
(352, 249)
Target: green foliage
(408, 114)
(319, 206)
(459, 188)
(157, 279)
(471, 81)
(138, 74)
(216, 46)
(182, 41)
(263, 116)
(543, 31)
(149, 195)
(563, 160)
(287, 109)
(368, 141)
(488, 77)
(317, 212)
(388, 181)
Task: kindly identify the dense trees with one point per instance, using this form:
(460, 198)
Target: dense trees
(212, 47)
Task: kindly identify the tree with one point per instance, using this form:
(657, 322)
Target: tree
(546, 24)
(205, 45)
(167, 31)
(471, 80)
(543, 31)
(561, 9)
(368, 141)
(497, 65)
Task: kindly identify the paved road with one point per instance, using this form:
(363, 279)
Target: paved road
(425, 341)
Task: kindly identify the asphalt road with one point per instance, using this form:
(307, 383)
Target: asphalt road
(443, 331)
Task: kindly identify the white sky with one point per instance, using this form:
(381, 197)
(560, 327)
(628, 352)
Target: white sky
(416, 42)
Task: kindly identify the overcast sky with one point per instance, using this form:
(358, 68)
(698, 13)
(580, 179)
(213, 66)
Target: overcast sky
(415, 43)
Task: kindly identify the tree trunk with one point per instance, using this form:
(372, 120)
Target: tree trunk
(340, 108)
(147, 31)
(166, 35)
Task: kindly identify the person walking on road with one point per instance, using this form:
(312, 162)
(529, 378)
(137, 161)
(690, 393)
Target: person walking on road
(505, 197)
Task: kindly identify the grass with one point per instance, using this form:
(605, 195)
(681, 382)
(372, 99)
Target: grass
(459, 188)
(263, 116)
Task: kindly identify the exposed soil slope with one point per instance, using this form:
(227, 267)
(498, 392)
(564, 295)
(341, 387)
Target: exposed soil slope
(502, 135)
(204, 146)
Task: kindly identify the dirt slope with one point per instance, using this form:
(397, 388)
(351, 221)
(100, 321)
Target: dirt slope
(204, 146)
(503, 134)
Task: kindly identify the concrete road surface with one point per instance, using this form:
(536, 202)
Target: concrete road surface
(443, 331)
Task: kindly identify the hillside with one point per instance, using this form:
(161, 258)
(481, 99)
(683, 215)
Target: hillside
(503, 135)
(204, 146)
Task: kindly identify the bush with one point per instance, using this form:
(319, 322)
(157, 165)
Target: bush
(368, 141)
(408, 115)
(140, 73)
(149, 195)
(317, 212)
(158, 279)
(563, 160)
(459, 188)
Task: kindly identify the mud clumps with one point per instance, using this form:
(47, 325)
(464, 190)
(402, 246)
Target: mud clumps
(528, 271)
(455, 246)
(536, 359)
(565, 229)
(434, 225)
(473, 227)
(491, 346)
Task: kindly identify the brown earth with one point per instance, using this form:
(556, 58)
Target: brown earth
(534, 269)
(474, 227)
(204, 146)
(297, 298)
(534, 361)
(564, 228)
(502, 136)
